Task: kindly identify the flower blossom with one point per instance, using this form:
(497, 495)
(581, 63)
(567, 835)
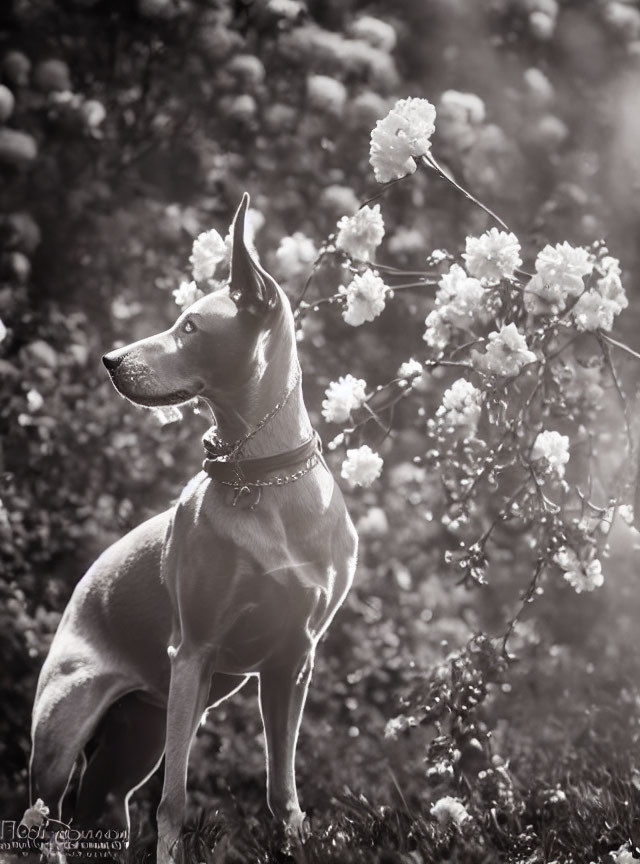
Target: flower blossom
(560, 272)
(493, 256)
(507, 352)
(186, 294)
(365, 297)
(3, 331)
(209, 249)
(361, 467)
(581, 575)
(623, 855)
(597, 307)
(461, 405)
(401, 137)
(553, 448)
(411, 370)
(342, 397)
(326, 94)
(459, 302)
(295, 254)
(360, 235)
(449, 809)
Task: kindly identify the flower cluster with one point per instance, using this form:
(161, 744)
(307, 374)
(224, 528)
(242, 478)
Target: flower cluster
(209, 250)
(186, 294)
(360, 235)
(507, 353)
(401, 137)
(295, 254)
(552, 449)
(365, 297)
(361, 467)
(460, 302)
(493, 256)
(342, 397)
(448, 809)
(581, 575)
(461, 405)
(597, 307)
(560, 272)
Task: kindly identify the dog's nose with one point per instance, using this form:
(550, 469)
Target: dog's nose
(113, 360)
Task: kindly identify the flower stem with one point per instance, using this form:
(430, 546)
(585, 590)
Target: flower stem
(430, 162)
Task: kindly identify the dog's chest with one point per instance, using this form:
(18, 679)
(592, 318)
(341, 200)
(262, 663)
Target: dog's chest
(241, 581)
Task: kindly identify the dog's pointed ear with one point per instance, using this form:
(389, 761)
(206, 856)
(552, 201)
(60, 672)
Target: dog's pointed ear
(251, 287)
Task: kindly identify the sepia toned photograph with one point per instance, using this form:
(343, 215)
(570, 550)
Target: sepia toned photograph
(319, 431)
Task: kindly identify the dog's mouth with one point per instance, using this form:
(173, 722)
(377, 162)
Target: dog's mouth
(150, 399)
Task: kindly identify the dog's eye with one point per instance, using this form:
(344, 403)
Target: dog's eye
(188, 326)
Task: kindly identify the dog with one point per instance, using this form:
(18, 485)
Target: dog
(240, 578)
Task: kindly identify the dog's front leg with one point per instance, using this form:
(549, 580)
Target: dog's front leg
(190, 675)
(283, 691)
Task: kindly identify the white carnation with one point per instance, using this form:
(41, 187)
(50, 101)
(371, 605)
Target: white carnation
(493, 256)
(295, 254)
(553, 448)
(565, 267)
(3, 331)
(507, 352)
(597, 307)
(342, 397)
(326, 94)
(186, 294)
(411, 370)
(361, 467)
(365, 297)
(209, 249)
(400, 137)
(438, 331)
(361, 234)
(449, 809)
(461, 405)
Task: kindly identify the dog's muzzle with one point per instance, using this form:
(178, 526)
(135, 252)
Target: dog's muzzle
(113, 360)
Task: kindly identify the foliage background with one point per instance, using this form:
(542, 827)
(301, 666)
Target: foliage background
(203, 100)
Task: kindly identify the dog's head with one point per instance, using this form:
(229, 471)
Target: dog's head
(221, 342)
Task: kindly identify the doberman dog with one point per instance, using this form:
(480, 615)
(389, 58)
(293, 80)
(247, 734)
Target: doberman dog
(240, 578)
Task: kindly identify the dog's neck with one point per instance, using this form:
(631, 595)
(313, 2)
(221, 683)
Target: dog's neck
(249, 407)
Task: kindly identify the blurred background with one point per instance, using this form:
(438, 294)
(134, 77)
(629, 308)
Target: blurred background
(127, 127)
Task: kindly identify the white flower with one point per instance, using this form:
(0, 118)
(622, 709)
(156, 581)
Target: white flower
(597, 308)
(186, 294)
(460, 296)
(365, 298)
(438, 332)
(493, 256)
(361, 234)
(563, 266)
(295, 254)
(3, 331)
(465, 106)
(623, 855)
(397, 725)
(326, 94)
(581, 575)
(507, 352)
(449, 809)
(34, 400)
(374, 523)
(412, 370)
(400, 137)
(342, 397)
(209, 249)
(374, 31)
(461, 405)
(361, 467)
(554, 449)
